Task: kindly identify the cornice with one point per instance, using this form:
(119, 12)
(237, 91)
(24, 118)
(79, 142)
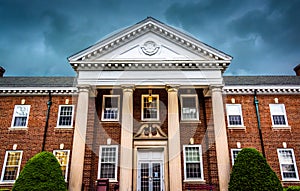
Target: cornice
(229, 90)
(38, 91)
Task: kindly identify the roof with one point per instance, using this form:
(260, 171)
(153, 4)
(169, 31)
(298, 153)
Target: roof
(71, 81)
(261, 80)
(37, 81)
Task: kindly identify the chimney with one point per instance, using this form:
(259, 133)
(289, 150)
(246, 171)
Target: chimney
(2, 71)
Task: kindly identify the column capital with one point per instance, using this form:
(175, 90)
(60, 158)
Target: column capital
(128, 87)
(172, 87)
(216, 87)
(88, 89)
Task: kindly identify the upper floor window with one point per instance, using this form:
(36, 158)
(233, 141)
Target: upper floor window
(189, 107)
(234, 115)
(65, 116)
(288, 166)
(193, 167)
(234, 154)
(150, 107)
(278, 115)
(108, 162)
(110, 107)
(21, 115)
(11, 166)
(63, 159)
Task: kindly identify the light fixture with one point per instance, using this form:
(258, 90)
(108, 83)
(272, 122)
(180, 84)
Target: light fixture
(191, 141)
(276, 100)
(23, 101)
(67, 101)
(232, 100)
(61, 146)
(238, 144)
(15, 147)
(108, 141)
(150, 96)
(284, 145)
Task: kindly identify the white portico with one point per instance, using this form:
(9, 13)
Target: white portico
(152, 55)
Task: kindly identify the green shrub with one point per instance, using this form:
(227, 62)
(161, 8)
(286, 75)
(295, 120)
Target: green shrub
(292, 188)
(41, 173)
(251, 172)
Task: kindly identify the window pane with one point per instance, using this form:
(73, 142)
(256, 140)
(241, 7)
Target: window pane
(111, 108)
(192, 154)
(150, 109)
(279, 120)
(108, 162)
(189, 102)
(193, 170)
(62, 157)
(189, 108)
(107, 170)
(20, 121)
(12, 166)
(235, 120)
(65, 116)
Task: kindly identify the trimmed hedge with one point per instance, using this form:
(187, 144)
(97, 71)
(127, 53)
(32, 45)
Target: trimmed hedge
(251, 172)
(41, 173)
(292, 188)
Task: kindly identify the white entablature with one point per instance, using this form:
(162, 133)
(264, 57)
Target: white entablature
(146, 43)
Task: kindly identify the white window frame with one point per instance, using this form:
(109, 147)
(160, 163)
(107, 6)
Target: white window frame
(239, 112)
(67, 164)
(200, 162)
(58, 117)
(283, 112)
(233, 157)
(103, 106)
(142, 112)
(5, 165)
(196, 106)
(15, 115)
(116, 162)
(294, 163)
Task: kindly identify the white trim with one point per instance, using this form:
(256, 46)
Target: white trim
(196, 106)
(272, 112)
(142, 108)
(294, 163)
(261, 89)
(116, 163)
(67, 164)
(232, 156)
(4, 166)
(240, 113)
(58, 117)
(103, 105)
(38, 90)
(14, 117)
(201, 163)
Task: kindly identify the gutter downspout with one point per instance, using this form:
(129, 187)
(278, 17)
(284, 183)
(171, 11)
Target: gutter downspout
(49, 103)
(256, 102)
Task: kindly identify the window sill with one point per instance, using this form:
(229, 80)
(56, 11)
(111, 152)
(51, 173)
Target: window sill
(7, 183)
(195, 181)
(110, 121)
(296, 180)
(282, 127)
(240, 127)
(64, 128)
(190, 121)
(18, 128)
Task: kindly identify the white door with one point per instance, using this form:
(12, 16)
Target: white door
(150, 171)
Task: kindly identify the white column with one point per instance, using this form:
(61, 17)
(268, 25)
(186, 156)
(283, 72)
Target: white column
(220, 137)
(126, 156)
(174, 139)
(79, 138)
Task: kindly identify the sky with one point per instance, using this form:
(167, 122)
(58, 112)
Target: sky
(37, 36)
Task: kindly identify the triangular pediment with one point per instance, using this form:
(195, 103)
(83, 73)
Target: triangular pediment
(147, 42)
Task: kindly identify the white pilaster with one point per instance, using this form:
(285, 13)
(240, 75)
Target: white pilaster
(174, 139)
(79, 139)
(220, 138)
(126, 157)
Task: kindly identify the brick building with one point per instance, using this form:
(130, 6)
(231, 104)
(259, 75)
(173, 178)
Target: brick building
(151, 110)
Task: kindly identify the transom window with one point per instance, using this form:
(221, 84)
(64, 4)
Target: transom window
(288, 166)
(63, 158)
(11, 167)
(65, 116)
(278, 115)
(21, 115)
(150, 107)
(234, 154)
(193, 168)
(108, 162)
(234, 115)
(110, 108)
(189, 107)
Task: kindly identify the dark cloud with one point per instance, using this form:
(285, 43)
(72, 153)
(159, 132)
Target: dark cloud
(36, 37)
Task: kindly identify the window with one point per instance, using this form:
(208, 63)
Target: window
(278, 115)
(150, 107)
(63, 158)
(288, 166)
(111, 105)
(108, 162)
(193, 168)
(189, 107)
(234, 153)
(65, 116)
(234, 115)
(11, 167)
(21, 115)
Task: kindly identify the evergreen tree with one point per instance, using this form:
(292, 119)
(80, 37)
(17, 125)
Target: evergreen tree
(251, 172)
(41, 173)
